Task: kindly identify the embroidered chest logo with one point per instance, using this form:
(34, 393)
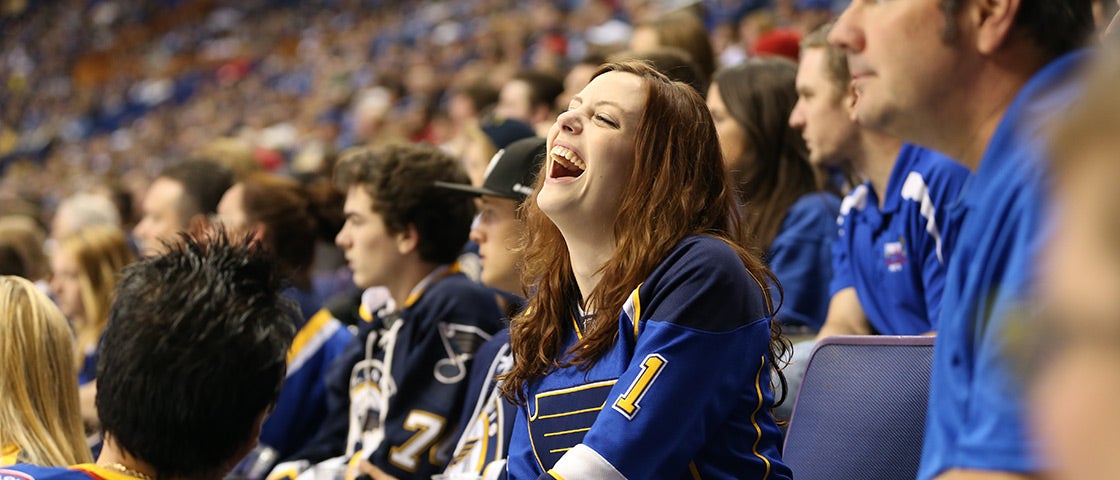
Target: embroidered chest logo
(559, 419)
(894, 255)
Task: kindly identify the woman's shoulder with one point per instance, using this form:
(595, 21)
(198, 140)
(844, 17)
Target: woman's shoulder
(816, 204)
(705, 256)
(812, 215)
(699, 283)
(704, 249)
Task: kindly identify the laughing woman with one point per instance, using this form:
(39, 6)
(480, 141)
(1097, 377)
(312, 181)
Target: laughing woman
(647, 348)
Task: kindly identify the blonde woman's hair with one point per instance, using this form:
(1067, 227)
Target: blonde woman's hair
(100, 253)
(39, 405)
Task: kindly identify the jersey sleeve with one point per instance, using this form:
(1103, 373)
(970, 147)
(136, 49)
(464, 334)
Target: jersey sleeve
(699, 371)
(430, 374)
(302, 405)
(330, 439)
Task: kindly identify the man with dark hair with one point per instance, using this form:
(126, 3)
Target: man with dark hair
(181, 198)
(402, 378)
(978, 80)
(888, 261)
(529, 97)
(192, 360)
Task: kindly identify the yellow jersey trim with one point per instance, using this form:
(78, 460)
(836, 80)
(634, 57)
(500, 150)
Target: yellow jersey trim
(566, 432)
(754, 419)
(308, 332)
(693, 470)
(9, 454)
(564, 391)
(637, 300)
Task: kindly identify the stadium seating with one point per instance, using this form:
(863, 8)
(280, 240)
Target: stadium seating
(861, 410)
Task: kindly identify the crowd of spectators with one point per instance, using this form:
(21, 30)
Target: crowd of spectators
(136, 118)
(108, 89)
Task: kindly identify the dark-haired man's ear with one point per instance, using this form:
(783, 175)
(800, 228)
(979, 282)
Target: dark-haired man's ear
(407, 239)
(850, 99)
(994, 22)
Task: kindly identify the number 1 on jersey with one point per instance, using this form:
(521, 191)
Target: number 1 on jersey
(628, 403)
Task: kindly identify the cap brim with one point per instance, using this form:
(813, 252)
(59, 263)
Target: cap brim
(472, 190)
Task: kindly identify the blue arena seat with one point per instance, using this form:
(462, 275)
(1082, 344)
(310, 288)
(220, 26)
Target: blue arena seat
(861, 410)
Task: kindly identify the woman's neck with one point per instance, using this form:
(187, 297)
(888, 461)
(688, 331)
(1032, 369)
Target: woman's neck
(588, 258)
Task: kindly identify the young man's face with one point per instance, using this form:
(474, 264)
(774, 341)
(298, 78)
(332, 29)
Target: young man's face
(371, 250)
(496, 233)
(162, 219)
(902, 69)
(822, 112)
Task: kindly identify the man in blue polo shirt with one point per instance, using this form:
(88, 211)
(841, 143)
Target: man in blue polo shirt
(977, 80)
(888, 259)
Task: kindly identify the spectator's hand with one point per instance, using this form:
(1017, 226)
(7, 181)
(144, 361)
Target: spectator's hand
(368, 471)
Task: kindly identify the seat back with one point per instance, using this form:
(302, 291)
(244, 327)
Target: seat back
(861, 410)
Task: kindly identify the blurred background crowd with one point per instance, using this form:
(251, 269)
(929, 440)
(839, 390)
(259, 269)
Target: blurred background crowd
(104, 93)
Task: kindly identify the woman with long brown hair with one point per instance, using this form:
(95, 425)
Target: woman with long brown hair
(787, 214)
(645, 315)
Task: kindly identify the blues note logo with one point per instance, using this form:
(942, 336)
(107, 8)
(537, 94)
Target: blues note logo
(894, 255)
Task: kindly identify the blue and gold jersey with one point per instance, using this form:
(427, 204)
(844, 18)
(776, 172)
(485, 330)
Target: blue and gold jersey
(302, 406)
(685, 393)
(894, 256)
(85, 471)
(483, 442)
(396, 391)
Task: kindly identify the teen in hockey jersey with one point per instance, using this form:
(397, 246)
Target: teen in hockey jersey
(396, 391)
(647, 345)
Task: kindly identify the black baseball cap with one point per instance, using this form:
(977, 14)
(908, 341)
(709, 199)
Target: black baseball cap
(511, 171)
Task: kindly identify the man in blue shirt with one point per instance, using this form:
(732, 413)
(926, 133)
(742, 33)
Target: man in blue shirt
(977, 80)
(888, 259)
